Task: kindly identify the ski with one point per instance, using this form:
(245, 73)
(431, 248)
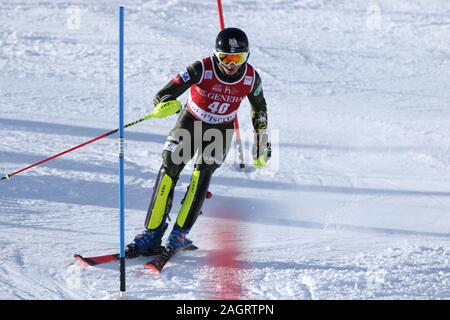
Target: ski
(158, 263)
(161, 253)
(97, 260)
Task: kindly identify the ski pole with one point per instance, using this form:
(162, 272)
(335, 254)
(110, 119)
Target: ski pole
(9, 175)
(161, 110)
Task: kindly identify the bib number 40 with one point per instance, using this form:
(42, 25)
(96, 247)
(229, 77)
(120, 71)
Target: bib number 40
(217, 107)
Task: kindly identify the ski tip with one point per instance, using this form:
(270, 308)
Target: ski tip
(96, 260)
(85, 263)
(78, 257)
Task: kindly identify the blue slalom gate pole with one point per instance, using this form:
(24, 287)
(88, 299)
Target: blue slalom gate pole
(121, 154)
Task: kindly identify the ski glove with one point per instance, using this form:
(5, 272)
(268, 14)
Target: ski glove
(165, 109)
(262, 150)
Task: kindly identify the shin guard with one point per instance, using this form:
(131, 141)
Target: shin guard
(193, 199)
(161, 201)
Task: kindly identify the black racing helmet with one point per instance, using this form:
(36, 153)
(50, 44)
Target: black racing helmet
(232, 40)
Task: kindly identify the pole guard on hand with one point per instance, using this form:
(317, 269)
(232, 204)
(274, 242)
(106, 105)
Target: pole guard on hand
(264, 158)
(165, 109)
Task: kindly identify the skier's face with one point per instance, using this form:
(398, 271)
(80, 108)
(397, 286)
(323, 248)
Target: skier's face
(229, 70)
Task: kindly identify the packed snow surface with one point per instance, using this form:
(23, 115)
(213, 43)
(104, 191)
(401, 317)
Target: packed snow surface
(356, 202)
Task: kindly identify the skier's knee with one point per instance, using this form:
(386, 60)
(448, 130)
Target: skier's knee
(172, 169)
(207, 168)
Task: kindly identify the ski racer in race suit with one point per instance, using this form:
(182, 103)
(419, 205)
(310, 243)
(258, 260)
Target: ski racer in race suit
(217, 84)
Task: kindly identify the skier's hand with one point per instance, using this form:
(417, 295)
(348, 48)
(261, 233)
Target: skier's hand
(262, 150)
(165, 109)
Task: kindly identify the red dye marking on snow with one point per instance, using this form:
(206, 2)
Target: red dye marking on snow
(224, 282)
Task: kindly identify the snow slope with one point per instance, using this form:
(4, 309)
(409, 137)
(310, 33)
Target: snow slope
(355, 206)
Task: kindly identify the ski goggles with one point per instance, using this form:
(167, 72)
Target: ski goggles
(229, 58)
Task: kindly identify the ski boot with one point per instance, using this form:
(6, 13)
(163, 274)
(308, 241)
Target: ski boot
(146, 243)
(177, 239)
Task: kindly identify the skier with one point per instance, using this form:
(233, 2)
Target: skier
(218, 84)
